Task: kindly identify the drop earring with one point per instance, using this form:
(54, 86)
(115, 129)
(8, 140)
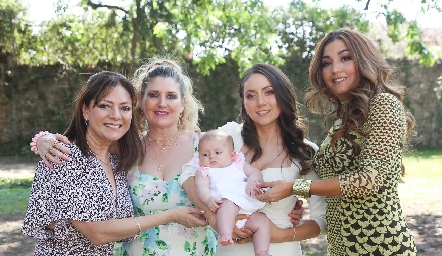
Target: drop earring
(180, 121)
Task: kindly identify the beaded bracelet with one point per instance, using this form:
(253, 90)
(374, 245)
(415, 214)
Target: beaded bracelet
(34, 140)
(139, 227)
(294, 234)
(301, 188)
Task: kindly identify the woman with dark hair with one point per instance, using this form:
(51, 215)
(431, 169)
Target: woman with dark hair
(272, 138)
(82, 206)
(360, 160)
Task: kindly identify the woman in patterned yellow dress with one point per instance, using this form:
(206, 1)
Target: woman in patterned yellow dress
(360, 161)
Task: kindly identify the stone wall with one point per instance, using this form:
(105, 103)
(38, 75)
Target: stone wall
(39, 98)
(422, 101)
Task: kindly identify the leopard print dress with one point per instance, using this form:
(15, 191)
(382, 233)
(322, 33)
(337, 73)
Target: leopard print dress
(75, 190)
(367, 219)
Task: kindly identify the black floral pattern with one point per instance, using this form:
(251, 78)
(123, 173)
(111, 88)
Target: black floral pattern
(75, 190)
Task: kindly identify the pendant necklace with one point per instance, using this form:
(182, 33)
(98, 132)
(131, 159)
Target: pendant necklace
(271, 162)
(162, 147)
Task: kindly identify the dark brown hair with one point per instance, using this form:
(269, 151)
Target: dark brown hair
(96, 88)
(291, 125)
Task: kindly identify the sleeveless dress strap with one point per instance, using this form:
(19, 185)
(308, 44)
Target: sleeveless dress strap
(196, 140)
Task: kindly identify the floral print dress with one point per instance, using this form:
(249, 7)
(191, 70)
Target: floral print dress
(150, 195)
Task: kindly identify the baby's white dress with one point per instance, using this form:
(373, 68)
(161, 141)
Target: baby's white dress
(230, 183)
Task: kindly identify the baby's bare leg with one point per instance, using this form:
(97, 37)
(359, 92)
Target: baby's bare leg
(225, 220)
(260, 225)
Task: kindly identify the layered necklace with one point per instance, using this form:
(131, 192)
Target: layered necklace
(162, 146)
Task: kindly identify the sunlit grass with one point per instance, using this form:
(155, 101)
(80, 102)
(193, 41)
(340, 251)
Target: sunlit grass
(14, 200)
(423, 179)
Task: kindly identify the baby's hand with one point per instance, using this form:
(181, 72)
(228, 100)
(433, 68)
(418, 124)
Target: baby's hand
(253, 189)
(213, 203)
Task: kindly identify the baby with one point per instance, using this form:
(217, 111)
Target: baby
(227, 185)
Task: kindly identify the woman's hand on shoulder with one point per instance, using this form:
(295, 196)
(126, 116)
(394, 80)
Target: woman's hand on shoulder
(188, 216)
(51, 150)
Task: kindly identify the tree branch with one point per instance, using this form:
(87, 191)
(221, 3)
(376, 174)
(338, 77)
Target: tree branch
(95, 6)
(366, 5)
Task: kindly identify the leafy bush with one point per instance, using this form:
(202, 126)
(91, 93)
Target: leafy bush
(14, 183)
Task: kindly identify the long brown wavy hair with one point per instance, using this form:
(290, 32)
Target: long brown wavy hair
(373, 77)
(291, 125)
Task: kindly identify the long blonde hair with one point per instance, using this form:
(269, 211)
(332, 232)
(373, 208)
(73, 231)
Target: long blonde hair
(164, 67)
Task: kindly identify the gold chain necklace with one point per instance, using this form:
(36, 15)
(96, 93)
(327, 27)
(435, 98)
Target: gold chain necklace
(156, 144)
(95, 154)
(101, 161)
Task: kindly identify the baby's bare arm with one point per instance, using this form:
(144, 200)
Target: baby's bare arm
(254, 179)
(203, 191)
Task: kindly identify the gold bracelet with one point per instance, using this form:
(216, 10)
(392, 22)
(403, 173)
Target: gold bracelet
(294, 234)
(301, 188)
(139, 227)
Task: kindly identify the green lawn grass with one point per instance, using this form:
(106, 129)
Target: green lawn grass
(423, 179)
(14, 195)
(14, 200)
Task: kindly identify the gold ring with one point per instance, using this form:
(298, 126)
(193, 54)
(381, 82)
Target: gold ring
(55, 143)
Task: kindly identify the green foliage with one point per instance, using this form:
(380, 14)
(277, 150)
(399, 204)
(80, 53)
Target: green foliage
(14, 183)
(218, 40)
(204, 32)
(15, 29)
(396, 21)
(82, 41)
(416, 46)
(219, 94)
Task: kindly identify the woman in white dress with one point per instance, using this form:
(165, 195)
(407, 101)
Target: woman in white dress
(272, 139)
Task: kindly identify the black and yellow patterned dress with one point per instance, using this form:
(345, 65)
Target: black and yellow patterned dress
(367, 219)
